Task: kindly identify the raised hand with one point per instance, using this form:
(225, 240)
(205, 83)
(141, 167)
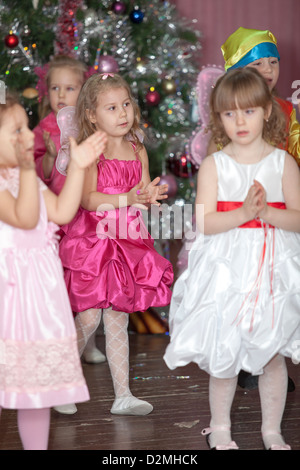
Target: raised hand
(89, 150)
(255, 201)
(156, 191)
(50, 145)
(24, 156)
(262, 205)
(138, 196)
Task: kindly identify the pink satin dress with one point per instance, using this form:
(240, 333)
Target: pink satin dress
(39, 360)
(108, 256)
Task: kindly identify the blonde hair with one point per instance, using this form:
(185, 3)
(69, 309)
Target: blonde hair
(88, 100)
(60, 61)
(245, 88)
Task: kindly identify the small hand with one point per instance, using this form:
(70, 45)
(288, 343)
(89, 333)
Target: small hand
(50, 145)
(157, 191)
(138, 196)
(89, 150)
(24, 156)
(253, 202)
(262, 205)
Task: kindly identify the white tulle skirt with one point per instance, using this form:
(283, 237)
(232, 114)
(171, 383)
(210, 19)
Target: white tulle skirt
(238, 303)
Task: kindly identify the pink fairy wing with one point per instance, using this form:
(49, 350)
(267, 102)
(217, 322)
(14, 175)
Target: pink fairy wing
(68, 128)
(206, 80)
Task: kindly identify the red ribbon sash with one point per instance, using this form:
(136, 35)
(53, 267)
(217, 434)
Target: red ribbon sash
(251, 299)
(224, 206)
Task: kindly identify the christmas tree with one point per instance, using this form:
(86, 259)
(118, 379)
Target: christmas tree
(154, 48)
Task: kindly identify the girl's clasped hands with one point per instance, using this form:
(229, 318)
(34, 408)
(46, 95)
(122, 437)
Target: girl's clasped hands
(255, 203)
(140, 195)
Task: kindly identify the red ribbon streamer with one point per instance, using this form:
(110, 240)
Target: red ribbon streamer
(224, 206)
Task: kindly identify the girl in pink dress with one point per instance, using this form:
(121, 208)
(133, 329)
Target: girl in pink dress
(39, 361)
(108, 255)
(59, 85)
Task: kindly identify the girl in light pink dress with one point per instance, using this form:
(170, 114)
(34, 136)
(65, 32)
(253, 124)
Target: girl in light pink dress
(39, 361)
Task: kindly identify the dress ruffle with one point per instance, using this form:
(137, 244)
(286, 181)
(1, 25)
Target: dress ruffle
(126, 274)
(237, 304)
(109, 257)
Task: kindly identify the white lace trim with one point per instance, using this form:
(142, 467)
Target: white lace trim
(39, 366)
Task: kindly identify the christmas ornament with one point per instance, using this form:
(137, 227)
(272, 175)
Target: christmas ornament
(170, 180)
(30, 93)
(136, 15)
(181, 166)
(11, 41)
(118, 7)
(168, 85)
(152, 97)
(107, 64)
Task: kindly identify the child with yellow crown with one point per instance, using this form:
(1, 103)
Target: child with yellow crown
(258, 49)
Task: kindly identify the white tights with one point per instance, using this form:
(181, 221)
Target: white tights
(272, 390)
(116, 339)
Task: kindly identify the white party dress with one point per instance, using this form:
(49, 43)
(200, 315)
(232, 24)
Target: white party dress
(237, 304)
(39, 359)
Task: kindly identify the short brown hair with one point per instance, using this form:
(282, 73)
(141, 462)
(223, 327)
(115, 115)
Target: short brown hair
(245, 88)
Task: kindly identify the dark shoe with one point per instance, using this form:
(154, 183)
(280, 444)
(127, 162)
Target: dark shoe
(248, 381)
(291, 385)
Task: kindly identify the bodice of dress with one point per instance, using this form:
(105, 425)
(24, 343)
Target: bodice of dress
(118, 176)
(12, 237)
(235, 179)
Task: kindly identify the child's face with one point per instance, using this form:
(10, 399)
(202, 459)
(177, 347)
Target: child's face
(114, 113)
(14, 127)
(268, 67)
(64, 87)
(244, 126)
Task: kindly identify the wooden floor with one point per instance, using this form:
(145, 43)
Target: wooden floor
(180, 400)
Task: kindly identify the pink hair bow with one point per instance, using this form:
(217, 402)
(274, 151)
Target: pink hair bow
(106, 75)
(41, 86)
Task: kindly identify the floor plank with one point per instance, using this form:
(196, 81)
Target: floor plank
(180, 400)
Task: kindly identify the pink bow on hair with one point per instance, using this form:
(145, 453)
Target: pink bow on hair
(106, 75)
(41, 86)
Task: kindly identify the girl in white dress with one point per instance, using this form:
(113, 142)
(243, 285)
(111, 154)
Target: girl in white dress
(237, 305)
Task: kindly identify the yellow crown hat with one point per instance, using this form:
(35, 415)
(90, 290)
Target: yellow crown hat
(247, 45)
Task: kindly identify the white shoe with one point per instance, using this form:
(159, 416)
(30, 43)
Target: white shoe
(93, 356)
(69, 409)
(131, 406)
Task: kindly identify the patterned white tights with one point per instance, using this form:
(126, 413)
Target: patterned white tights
(117, 350)
(221, 394)
(272, 386)
(116, 339)
(86, 323)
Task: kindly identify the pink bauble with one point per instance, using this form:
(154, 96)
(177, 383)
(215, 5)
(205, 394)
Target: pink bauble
(107, 64)
(170, 180)
(152, 98)
(118, 7)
